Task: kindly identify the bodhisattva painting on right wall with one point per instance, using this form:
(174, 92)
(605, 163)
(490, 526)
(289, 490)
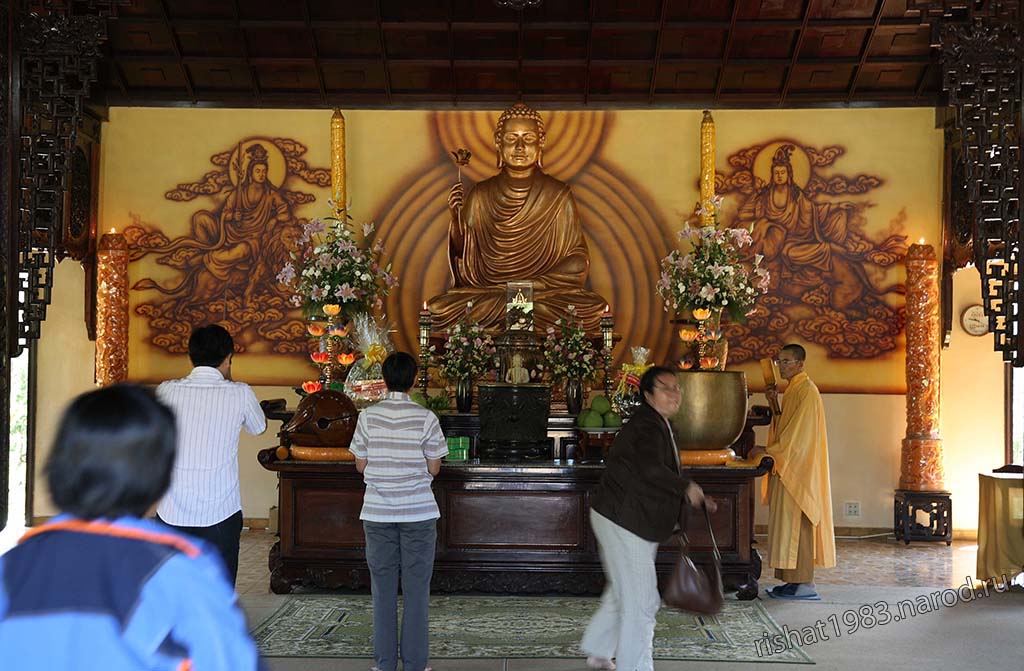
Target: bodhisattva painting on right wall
(831, 283)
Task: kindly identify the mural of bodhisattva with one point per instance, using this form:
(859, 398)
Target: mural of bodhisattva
(828, 276)
(227, 264)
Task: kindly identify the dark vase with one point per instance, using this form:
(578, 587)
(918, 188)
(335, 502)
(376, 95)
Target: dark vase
(464, 395)
(574, 395)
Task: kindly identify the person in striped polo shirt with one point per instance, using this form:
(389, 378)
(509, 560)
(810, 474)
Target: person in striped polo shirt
(398, 446)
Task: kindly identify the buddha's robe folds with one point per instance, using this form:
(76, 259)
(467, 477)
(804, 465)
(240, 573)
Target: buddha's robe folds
(519, 230)
(800, 480)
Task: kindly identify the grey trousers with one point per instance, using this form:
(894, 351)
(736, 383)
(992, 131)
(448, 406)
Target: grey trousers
(400, 550)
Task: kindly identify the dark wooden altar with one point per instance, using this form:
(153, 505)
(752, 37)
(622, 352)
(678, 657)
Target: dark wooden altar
(510, 528)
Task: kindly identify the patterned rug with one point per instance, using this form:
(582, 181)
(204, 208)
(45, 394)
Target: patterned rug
(508, 626)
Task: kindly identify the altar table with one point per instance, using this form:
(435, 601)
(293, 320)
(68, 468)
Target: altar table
(518, 528)
(1000, 525)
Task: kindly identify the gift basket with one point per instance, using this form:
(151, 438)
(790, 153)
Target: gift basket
(365, 381)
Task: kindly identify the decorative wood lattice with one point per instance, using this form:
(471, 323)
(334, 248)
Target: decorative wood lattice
(6, 160)
(982, 49)
(58, 50)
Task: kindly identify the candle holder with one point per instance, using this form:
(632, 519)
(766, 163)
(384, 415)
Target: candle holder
(607, 340)
(426, 326)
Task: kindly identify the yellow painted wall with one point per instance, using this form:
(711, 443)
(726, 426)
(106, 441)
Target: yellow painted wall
(865, 430)
(634, 176)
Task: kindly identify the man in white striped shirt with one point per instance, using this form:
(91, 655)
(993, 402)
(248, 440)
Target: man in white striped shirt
(205, 499)
(398, 447)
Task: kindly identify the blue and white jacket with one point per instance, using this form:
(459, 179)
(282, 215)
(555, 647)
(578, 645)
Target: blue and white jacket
(122, 594)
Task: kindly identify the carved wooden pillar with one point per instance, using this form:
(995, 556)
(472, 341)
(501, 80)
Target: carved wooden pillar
(921, 466)
(111, 309)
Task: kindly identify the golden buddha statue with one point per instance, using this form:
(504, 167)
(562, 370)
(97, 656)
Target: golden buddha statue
(520, 225)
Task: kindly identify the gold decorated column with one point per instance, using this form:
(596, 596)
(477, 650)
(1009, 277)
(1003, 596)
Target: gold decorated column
(921, 466)
(338, 172)
(707, 169)
(111, 309)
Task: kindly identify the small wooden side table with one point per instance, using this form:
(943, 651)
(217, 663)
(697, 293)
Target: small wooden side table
(936, 504)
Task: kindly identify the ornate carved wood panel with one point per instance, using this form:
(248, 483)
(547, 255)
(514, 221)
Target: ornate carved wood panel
(57, 54)
(982, 53)
(7, 14)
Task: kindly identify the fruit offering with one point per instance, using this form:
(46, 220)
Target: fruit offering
(599, 415)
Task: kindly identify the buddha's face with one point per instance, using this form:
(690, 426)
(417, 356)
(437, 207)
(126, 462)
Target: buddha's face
(519, 143)
(780, 175)
(259, 173)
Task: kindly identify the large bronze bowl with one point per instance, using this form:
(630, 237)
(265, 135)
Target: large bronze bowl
(713, 410)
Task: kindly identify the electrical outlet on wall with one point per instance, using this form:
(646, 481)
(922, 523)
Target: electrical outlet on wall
(851, 509)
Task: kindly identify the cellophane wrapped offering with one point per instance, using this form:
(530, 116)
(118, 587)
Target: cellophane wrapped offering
(626, 396)
(365, 382)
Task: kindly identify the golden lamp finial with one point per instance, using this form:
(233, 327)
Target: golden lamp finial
(707, 169)
(338, 175)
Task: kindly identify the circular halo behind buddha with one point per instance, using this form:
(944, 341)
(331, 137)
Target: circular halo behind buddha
(519, 225)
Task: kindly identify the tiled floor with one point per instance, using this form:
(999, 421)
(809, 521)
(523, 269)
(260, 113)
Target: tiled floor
(878, 562)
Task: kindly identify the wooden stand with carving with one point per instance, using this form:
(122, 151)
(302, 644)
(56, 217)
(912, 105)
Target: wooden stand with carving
(507, 528)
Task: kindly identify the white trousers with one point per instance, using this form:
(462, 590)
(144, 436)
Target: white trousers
(623, 626)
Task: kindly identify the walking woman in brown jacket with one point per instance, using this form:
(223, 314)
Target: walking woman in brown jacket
(633, 510)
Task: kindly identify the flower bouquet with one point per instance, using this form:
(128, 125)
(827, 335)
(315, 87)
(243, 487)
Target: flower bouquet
(569, 356)
(333, 266)
(713, 274)
(468, 354)
(568, 353)
(712, 277)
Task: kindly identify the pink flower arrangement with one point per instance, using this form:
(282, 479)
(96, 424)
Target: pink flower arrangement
(567, 351)
(332, 266)
(468, 353)
(712, 274)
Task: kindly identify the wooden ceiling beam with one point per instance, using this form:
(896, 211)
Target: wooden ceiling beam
(257, 89)
(508, 62)
(728, 48)
(511, 26)
(866, 48)
(177, 53)
(657, 52)
(374, 100)
(796, 50)
(383, 51)
(316, 51)
(923, 82)
(122, 83)
(452, 80)
(591, 12)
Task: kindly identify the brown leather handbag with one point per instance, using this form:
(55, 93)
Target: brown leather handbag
(689, 588)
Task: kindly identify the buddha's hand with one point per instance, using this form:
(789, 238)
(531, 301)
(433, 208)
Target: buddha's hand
(455, 197)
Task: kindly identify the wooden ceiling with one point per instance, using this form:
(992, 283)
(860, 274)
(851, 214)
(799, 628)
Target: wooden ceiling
(472, 53)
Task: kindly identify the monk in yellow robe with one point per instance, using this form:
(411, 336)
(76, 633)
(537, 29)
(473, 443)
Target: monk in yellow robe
(519, 225)
(798, 492)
